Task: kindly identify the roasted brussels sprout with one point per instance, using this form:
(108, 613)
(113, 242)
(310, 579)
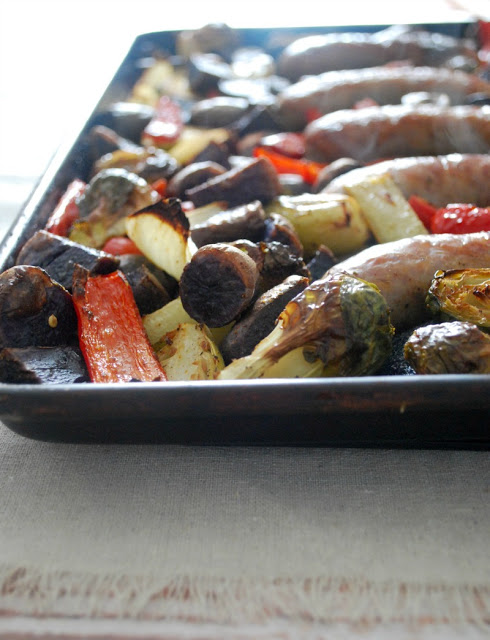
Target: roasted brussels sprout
(338, 326)
(461, 294)
(449, 347)
(111, 195)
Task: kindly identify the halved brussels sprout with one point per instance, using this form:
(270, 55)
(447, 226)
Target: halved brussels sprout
(342, 325)
(461, 294)
(449, 347)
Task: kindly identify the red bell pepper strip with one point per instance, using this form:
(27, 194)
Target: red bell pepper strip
(160, 186)
(120, 246)
(166, 126)
(66, 211)
(110, 330)
(461, 218)
(484, 41)
(423, 209)
(307, 169)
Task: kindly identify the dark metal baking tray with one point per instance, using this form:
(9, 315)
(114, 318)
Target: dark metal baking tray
(389, 411)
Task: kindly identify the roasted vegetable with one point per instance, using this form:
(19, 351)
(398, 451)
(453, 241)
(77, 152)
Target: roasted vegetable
(388, 213)
(286, 143)
(335, 221)
(152, 288)
(461, 294)
(161, 232)
(150, 164)
(189, 353)
(109, 197)
(321, 262)
(129, 119)
(194, 140)
(450, 347)
(280, 229)
(205, 70)
(245, 221)
(333, 170)
(121, 246)
(308, 170)
(104, 141)
(220, 111)
(165, 319)
(259, 321)
(34, 309)
(338, 326)
(257, 180)
(66, 211)
(43, 365)
(111, 333)
(166, 125)
(58, 256)
(218, 152)
(192, 175)
(276, 262)
(461, 218)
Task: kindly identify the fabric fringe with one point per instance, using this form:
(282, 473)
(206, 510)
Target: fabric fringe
(251, 600)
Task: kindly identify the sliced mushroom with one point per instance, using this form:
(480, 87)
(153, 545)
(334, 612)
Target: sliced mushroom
(152, 288)
(275, 262)
(257, 180)
(43, 365)
(194, 174)
(280, 229)
(333, 170)
(245, 221)
(321, 262)
(219, 111)
(259, 321)
(58, 256)
(34, 309)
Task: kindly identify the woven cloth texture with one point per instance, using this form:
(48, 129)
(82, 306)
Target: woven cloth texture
(244, 534)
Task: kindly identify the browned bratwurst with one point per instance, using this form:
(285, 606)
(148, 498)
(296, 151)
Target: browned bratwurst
(314, 54)
(403, 270)
(317, 95)
(398, 130)
(440, 180)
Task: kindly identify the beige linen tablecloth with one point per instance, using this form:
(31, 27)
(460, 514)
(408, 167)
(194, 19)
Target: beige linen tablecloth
(174, 541)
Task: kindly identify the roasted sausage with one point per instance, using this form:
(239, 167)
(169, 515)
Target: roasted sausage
(335, 90)
(403, 270)
(311, 55)
(398, 130)
(438, 179)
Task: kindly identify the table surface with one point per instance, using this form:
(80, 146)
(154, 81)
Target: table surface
(215, 542)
